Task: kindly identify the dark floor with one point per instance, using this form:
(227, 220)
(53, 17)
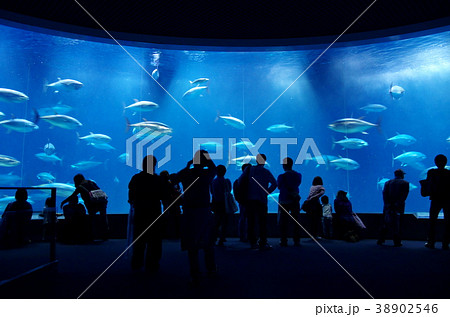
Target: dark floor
(411, 271)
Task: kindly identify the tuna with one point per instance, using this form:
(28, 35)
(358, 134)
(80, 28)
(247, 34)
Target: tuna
(351, 125)
(19, 125)
(232, 121)
(198, 91)
(373, 108)
(402, 139)
(65, 84)
(200, 81)
(279, 128)
(14, 96)
(396, 92)
(48, 158)
(345, 164)
(142, 106)
(351, 143)
(95, 138)
(59, 120)
(8, 161)
(410, 158)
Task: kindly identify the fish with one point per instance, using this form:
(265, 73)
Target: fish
(424, 173)
(59, 120)
(345, 164)
(122, 158)
(243, 145)
(410, 158)
(57, 109)
(351, 125)
(95, 138)
(8, 161)
(13, 96)
(279, 128)
(142, 106)
(211, 146)
(19, 125)
(251, 159)
(199, 81)
(62, 190)
(448, 139)
(85, 165)
(9, 179)
(396, 92)
(232, 121)
(373, 108)
(65, 84)
(351, 143)
(46, 177)
(381, 182)
(2, 115)
(49, 149)
(103, 146)
(155, 74)
(149, 129)
(326, 159)
(198, 91)
(402, 139)
(48, 158)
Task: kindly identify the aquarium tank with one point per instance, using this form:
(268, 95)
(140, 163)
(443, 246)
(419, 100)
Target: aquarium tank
(351, 114)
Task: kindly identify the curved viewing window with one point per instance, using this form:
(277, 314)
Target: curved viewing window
(397, 86)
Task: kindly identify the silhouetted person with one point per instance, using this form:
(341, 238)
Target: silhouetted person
(439, 187)
(314, 206)
(172, 204)
(345, 221)
(76, 225)
(145, 192)
(16, 220)
(84, 187)
(219, 186)
(327, 220)
(241, 198)
(260, 184)
(197, 231)
(289, 201)
(395, 193)
(49, 219)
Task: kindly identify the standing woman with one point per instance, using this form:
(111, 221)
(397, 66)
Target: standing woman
(197, 231)
(314, 210)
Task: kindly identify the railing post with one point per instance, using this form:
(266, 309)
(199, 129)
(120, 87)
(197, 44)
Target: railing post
(53, 226)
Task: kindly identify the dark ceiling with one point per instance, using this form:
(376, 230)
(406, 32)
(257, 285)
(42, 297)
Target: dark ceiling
(222, 19)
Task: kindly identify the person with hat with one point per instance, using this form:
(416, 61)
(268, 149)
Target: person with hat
(395, 193)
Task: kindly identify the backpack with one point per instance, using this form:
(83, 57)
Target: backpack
(96, 195)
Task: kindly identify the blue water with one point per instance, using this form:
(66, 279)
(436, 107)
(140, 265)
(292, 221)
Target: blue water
(243, 84)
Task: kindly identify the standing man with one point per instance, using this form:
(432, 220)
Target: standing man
(259, 179)
(145, 192)
(289, 201)
(438, 180)
(395, 193)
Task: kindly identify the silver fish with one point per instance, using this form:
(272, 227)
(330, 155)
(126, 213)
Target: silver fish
(234, 122)
(351, 125)
(199, 81)
(14, 96)
(410, 158)
(402, 139)
(48, 158)
(142, 106)
(46, 177)
(198, 91)
(373, 108)
(66, 84)
(351, 143)
(279, 128)
(19, 125)
(8, 161)
(396, 92)
(345, 163)
(60, 120)
(85, 165)
(95, 138)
